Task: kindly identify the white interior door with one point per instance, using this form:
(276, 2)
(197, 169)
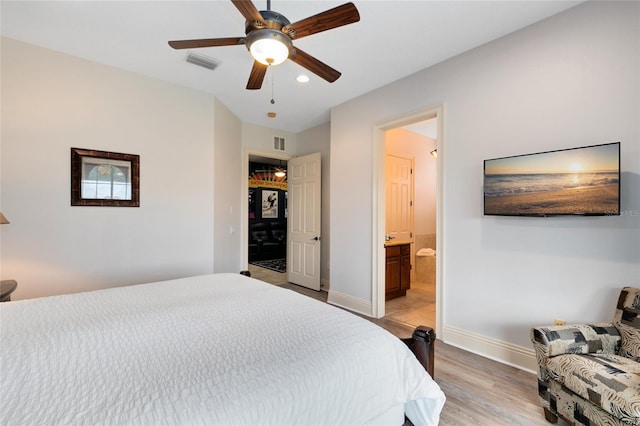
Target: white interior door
(399, 197)
(303, 254)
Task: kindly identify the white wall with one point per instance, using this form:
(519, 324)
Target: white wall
(571, 80)
(260, 139)
(52, 102)
(227, 190)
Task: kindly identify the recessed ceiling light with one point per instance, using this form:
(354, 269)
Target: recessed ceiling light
(271, 114)
(302, 78)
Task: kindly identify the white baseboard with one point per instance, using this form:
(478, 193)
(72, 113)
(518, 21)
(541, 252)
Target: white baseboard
(351, 303)
(506, 353)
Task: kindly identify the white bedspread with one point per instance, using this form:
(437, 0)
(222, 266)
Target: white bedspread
(214, 349)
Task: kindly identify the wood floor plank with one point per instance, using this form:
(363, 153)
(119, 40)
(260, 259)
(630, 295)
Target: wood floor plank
(481, 391)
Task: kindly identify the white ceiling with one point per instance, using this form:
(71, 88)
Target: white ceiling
(426, 128)
(392, 40)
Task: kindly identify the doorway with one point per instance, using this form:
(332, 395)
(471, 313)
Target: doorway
(410, 221)
(282, 217)
(267, 214)
(378, 249)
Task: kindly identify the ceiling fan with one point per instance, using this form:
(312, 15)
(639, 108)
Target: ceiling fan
(278, 170)
(269, 37)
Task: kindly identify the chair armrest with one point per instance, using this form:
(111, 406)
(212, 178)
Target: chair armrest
(575, 339)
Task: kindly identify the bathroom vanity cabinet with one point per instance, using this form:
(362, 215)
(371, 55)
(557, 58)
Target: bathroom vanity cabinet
(398, 270)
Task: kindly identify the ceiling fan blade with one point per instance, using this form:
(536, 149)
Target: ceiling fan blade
(248, 10)
(315, 66)
(206, 42)
(329, 19)
(258, 71)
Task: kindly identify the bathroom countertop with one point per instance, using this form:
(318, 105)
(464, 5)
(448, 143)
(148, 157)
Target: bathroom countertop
(396, 243)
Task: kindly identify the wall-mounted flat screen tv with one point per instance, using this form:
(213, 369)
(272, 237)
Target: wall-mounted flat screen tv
(577, 181)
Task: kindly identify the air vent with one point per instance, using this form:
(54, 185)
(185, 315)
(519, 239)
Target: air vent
(278, 143)
(202, 61)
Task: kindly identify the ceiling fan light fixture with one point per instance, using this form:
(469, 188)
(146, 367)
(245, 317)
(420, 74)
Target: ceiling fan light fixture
(269, 47)
(269, 38)
(280, 173)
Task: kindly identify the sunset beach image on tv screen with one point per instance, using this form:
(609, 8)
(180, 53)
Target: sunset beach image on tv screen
(577, 181)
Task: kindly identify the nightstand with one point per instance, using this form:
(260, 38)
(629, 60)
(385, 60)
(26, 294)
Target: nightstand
(6, 288)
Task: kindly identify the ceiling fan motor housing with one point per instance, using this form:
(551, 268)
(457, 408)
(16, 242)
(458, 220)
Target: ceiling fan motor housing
(259, 34)
(271, 19)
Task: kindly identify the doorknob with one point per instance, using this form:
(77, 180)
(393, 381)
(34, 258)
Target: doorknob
(316, 238)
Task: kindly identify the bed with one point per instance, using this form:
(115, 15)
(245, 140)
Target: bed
(205, 350)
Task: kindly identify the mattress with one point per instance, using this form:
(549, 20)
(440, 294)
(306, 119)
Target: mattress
(213, 349)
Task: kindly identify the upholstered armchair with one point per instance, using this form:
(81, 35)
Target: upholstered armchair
(589, 374)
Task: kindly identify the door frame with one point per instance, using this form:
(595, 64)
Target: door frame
(244, 235)
(378, 209)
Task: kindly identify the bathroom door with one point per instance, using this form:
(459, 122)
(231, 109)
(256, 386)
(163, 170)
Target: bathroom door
(399, 196)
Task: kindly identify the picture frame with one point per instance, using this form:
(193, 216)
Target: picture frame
(270, 204)
(104, 179)
(581, 181)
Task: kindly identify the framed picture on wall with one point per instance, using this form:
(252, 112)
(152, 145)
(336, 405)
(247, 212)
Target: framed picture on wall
(269, 204)
(100, 178)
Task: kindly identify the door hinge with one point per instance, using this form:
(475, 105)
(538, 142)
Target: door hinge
(410, 234)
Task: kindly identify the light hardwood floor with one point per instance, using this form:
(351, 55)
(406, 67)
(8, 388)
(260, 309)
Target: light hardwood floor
(479, 391)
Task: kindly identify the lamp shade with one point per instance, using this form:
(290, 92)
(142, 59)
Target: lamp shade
(3, 220)
(269, 47)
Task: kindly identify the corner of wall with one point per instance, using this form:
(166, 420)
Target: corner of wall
(351, 303)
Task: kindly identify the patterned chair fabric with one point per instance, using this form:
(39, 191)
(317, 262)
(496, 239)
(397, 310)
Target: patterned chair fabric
(589, 374)
(627, 322)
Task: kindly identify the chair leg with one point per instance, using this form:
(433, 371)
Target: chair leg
(551, 418)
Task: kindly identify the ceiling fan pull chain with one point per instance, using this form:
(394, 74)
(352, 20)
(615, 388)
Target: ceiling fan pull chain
(272, 84)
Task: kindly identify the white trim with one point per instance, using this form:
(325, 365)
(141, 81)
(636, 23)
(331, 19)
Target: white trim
(378, 225)
(378, 210)
(355, 304)
(497, 350)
